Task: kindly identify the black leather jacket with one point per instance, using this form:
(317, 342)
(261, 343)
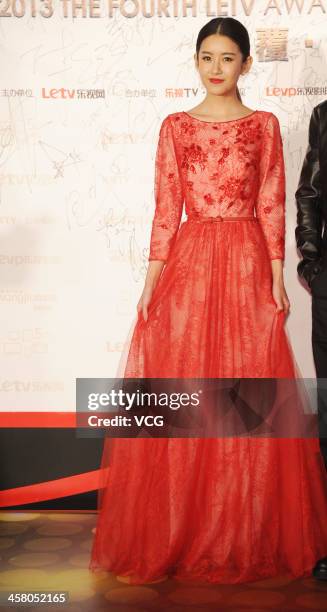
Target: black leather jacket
(311, 198)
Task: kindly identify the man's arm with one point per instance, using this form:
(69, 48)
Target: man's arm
(308, 199)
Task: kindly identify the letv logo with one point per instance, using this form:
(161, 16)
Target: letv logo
(59, 94)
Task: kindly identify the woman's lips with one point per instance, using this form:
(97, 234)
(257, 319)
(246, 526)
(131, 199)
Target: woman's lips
(216, 80)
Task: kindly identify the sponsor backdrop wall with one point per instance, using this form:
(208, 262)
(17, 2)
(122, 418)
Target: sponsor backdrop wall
(84, 88)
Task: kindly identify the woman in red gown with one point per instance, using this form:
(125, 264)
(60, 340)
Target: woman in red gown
(224, 510)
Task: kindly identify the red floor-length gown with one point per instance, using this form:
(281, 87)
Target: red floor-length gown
(219, 510)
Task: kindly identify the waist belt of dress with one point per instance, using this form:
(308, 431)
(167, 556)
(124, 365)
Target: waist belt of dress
(219, 219)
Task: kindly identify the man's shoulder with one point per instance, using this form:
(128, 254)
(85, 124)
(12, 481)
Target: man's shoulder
(321, 108)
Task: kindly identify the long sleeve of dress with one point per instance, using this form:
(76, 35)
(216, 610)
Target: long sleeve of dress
(168, 194)
(270, 205)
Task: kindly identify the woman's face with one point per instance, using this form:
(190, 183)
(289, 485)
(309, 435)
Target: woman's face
(220, 59)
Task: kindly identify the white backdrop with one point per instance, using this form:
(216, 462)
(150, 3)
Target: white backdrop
(82, 99)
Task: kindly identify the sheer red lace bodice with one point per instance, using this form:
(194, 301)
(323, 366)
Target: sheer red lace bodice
(233, 168)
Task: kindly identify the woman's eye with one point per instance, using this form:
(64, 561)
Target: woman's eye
(206, 57)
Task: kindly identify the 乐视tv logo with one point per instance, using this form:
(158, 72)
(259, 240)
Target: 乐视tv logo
(292, 91)
(62, 93)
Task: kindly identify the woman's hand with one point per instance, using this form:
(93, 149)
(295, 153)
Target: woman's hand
(144, 301)
(280, 296)
(153, 274)
(278, 289)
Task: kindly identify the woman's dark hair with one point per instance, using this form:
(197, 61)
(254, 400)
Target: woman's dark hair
(226, 26)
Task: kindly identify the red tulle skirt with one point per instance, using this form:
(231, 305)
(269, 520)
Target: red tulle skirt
(223, 510)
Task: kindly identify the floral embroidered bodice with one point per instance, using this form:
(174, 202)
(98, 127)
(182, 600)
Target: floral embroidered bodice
(231, 168)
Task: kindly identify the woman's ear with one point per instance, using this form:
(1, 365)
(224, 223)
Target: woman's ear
(247, 65)
(196, 61)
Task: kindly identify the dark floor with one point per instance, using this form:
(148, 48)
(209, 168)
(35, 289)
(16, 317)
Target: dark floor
(50, 551)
